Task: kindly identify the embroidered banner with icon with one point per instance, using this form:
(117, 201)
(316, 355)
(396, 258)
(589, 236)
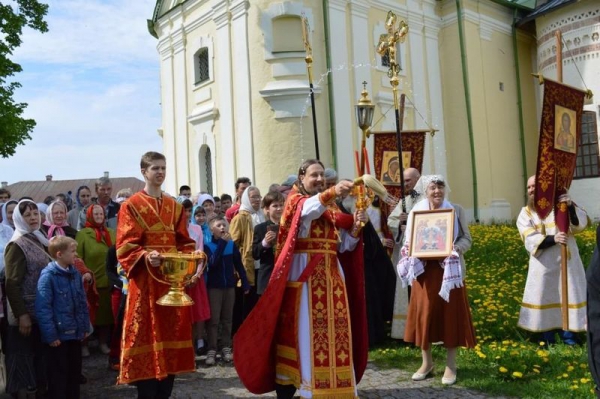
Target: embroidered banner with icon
(385, 156)
(560, 132)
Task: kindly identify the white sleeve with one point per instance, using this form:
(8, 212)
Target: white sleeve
(347, 242)
(312, 208)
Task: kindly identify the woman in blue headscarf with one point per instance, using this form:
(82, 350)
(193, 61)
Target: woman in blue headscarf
(83, 198)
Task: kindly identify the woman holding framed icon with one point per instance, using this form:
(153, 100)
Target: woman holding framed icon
(437, 236)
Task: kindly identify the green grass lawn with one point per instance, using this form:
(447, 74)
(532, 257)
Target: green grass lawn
(507, 361)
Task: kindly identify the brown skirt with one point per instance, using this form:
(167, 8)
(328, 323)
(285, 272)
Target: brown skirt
(432, 319)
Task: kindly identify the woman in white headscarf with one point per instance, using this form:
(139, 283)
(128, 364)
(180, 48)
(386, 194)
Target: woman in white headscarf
(438, 310)
(8, 209)
(56, 223)
(25, 256)
(242, 233)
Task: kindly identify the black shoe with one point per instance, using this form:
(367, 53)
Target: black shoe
(201, 351)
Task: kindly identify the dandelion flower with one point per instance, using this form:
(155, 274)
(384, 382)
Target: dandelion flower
(503, 369)
(517, 374)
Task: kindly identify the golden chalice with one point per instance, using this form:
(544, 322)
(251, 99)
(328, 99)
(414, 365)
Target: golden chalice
(177, 269)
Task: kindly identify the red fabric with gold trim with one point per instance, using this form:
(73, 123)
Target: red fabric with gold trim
(413, 142)
(555, 166)
(255, 349)
(157, 339)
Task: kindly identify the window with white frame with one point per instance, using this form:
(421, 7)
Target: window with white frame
(588, 164)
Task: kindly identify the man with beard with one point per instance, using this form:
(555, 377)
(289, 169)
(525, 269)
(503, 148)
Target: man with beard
(308, 331)
(541, 306)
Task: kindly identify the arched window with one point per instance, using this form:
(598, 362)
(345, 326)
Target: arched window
(201, 66)
(287, 34)
(206, 183)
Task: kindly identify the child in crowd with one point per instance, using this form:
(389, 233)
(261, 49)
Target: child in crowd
(265, 238)
(224, 260)
(196, 289)
(63, 317)
(199, 218)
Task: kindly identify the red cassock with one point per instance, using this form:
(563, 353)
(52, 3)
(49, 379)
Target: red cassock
(266, 345)
(157, 339)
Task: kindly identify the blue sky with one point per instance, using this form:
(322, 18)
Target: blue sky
(93, 86)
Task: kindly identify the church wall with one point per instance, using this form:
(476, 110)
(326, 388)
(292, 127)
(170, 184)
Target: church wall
(494, 109)
(281, 112)
(203, 101)
(456, 128)
(254, 116)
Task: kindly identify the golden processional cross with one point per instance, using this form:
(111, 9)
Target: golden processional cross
(387, 44)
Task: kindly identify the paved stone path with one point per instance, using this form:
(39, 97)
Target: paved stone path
(221, 381)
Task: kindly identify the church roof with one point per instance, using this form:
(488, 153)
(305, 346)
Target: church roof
(545, 8)
(520, 4)
(164, 6)
(38, 190)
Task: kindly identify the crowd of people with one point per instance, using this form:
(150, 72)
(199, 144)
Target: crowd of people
(300, 281)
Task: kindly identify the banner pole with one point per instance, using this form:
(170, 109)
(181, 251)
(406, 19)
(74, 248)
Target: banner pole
(564, 282)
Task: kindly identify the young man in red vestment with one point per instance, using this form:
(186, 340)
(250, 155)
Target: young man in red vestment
(157, 340)
(308, 331)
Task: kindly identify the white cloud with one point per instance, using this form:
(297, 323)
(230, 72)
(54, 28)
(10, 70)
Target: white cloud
(92, 34)
(92, 85)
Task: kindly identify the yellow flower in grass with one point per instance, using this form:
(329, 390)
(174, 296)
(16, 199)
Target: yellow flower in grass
(517, 374)
(584, 380)
(503, 369)
(574, 387)
(537, 371)
(570, 368)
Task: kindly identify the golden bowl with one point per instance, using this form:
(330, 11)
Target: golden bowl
(177, 269)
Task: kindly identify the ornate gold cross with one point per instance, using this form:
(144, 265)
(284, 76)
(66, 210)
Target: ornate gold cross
(387, 43)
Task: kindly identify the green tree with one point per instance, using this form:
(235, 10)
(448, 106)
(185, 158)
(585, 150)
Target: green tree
(14, 129)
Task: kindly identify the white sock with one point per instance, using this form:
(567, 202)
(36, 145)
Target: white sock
(199, 343)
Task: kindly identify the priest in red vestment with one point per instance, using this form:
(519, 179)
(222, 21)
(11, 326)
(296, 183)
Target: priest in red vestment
(308, 331)
(157, 341)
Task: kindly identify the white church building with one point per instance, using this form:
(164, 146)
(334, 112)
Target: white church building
(235, 95)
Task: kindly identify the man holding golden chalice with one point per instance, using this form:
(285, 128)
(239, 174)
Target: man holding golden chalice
(158, 255)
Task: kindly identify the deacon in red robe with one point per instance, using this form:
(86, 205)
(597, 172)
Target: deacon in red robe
(157, 341)
(308, 331)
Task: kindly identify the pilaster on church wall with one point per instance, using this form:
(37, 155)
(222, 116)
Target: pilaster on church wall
(202, 110)
(283, 137)
(580, 27)
(166, 53)
(493, 99)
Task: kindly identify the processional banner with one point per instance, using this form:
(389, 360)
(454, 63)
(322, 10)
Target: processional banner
(387, 167)
(560, 134)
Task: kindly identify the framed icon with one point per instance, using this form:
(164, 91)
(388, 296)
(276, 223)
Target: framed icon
(564, 129)
(431, 236)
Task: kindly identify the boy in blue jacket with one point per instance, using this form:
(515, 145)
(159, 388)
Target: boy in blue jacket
(64, 321)
(224, 260)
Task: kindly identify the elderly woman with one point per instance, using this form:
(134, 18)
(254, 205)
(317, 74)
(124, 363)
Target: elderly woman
(438, 309)
(93, 243)
(242, 233)
(25, 256)
(56, 221)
